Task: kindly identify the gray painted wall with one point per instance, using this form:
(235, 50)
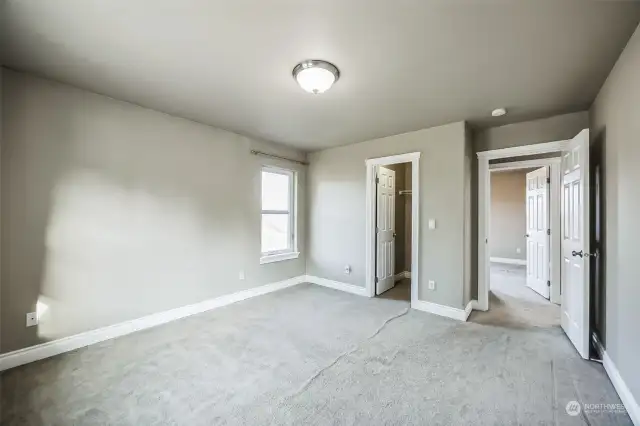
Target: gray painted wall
(508, 214)
(615, 125)
(559, 127)
(111, 211)
(407, 218)
(337, 209)
(469, 231)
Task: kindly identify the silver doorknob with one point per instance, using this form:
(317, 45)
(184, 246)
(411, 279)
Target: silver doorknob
(581, 254)
(527, 235)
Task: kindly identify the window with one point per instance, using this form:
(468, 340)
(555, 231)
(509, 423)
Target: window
(278, 215)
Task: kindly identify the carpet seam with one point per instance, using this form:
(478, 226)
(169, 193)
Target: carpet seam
(583, 413)
(311, 379)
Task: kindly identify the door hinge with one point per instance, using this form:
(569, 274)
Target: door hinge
(376, 280)
(548, 231)
(548, 180)
(548, 283)
(377, 179)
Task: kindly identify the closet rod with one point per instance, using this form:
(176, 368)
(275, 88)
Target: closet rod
(264, 154)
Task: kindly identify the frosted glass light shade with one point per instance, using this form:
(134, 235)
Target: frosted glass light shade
(315, 76)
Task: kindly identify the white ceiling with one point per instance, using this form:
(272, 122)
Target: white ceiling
(405, 64)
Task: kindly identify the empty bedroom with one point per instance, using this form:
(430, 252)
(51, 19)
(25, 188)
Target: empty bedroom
(319, 212)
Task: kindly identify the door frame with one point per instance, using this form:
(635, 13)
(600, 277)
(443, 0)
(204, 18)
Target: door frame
(370, 240)
(484, 205)
(555, 242)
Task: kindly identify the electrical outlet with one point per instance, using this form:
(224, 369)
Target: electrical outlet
(241, 275)
(32, 319)
(432, 285)
(432, 224)
(347, 269)
(518, 250)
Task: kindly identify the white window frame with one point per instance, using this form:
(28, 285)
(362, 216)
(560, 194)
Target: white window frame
(291, 252)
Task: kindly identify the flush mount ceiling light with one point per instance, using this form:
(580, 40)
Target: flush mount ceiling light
(498, 112)
(316, 76)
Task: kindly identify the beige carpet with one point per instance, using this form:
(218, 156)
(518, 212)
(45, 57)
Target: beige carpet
(513, 304)
(309, 355)
(401, 291)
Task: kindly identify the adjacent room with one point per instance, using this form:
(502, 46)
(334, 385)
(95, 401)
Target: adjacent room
(323, 213)
(523, 292)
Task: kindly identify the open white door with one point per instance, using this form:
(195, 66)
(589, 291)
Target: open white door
(385, 235)
(575, 243)
(538, 231)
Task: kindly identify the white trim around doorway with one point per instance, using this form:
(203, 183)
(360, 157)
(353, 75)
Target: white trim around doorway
(370, 249)
(484, 207)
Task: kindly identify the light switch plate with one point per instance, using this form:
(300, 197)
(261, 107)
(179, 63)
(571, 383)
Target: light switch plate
(432, 285)
(241, 275)
(432, 224)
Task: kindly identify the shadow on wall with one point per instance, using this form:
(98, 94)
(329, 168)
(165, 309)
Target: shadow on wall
(26, 209)
(111, 212)
(28, 182)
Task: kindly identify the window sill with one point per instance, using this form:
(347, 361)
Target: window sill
(279, 257)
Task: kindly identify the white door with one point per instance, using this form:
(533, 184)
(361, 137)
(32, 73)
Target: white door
(537, 209)
(386, 228)
(575, 243)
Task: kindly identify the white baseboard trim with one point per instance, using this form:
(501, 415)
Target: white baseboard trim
(66, 344)
(337, 285)
(475, 306)
(508, 261)
(629, 402)
(468, 309)
(442, 310)
(402, 275)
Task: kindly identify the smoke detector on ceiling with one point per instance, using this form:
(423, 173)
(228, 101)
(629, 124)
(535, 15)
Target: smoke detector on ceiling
(498, 112)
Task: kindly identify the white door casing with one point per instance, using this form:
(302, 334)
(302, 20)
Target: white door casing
(386, 228)
(537, 219)
(370, 220)
(575, 243)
